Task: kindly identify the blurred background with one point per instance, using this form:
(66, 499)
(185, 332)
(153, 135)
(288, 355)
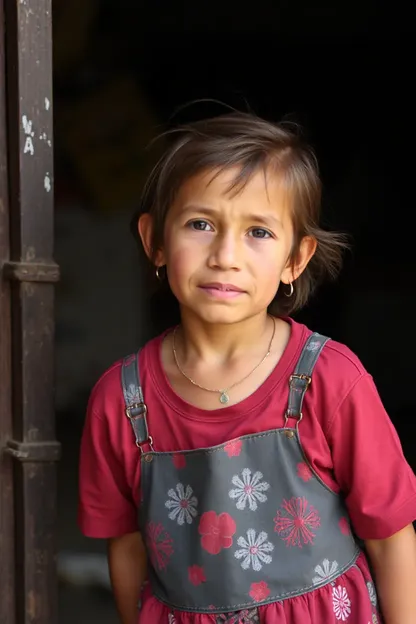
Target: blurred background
(342, 70)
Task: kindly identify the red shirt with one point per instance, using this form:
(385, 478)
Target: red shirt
(345, 432)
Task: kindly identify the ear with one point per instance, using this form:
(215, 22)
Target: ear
(296, 266)
(145, 229)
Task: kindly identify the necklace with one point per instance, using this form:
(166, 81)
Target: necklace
(224, 396)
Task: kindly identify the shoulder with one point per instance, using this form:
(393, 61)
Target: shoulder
(338, 376)
(336, 364)
(107, 393)
(337, 361)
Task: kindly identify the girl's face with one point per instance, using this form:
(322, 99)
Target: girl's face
(226, 253)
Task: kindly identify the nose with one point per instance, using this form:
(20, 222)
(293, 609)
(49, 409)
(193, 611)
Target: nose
(225, 252)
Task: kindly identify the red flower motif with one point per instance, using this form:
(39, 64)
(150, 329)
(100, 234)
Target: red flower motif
(179, 460)
(304, 472)
(196, 575)
(233, 448)
(159, 544)
(344, 525)
(295, 522)
(259, 591)
(216, 531)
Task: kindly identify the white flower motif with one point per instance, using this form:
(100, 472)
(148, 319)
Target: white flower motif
(254, 550)
(171, 618)
(372, 593)
(341, 603)
(249, 489)
(183, 504)
(324, 571)
(133, 394)
(313, 345)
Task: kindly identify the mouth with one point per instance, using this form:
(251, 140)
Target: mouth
(222, 287)
(218, 291)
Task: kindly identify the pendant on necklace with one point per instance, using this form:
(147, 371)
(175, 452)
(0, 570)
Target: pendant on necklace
(224, 398)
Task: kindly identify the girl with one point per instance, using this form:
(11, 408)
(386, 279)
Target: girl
(243, 465)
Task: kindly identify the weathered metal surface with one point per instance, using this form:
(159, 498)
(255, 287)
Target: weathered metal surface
(7, 611)
(34, 451)
(30, 129)
(31, 272)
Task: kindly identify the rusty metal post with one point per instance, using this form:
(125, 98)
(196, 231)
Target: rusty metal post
(7, 602)
(31, 273)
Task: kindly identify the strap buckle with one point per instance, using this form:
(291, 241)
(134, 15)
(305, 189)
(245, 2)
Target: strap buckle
(142, 407)
(303, 377)
(297, 417)
(149, 442)
(307, 379)
(140, 412)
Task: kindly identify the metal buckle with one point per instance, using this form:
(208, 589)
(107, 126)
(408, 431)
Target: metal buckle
(141, 406)
(297, 417)
(304, 377)
(143, 411)
(140, 445)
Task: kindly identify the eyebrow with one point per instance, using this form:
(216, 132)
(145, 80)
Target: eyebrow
(269, 220)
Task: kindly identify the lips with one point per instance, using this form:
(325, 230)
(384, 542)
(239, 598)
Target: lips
(222, 287)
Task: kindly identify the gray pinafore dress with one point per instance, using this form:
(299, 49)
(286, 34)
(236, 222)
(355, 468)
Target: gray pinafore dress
(237, 526)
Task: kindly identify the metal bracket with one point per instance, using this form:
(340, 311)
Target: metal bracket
(33, 451)
(31, 272)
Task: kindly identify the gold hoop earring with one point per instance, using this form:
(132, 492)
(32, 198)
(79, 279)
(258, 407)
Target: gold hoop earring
(291, 290)
(158, 275)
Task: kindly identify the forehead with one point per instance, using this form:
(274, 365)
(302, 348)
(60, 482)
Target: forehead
(264, 188)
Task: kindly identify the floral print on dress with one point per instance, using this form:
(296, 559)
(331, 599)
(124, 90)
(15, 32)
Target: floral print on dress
(159, 544)
(249, 489)
(372, 593)
(216, 531)
(179, 460)
(129, 359)
(324, 571)
(304, 472)
(259, 591)
(344, 526)
(133, 395)
(295, 520)
(196, 575)
(246, 616)
(254, 550)
(233, 448)
(171, 618)
(182, 504)
(313, 345)
(341, 603)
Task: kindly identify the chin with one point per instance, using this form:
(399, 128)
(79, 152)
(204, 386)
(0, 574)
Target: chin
(221, 316)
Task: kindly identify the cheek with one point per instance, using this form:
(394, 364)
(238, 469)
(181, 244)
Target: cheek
(269, 266)
(181, 262)
(268, 279)
(267, 256)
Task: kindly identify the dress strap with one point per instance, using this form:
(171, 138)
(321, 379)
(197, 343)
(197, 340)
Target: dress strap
(301, 379)
(135, 406)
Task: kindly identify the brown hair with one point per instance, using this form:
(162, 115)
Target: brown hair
(245, 141)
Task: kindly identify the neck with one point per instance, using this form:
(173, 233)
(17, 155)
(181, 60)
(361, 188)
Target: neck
(217, 345)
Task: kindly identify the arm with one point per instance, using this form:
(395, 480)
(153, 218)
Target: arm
(394, 564)
(128, 571)
(109, 483)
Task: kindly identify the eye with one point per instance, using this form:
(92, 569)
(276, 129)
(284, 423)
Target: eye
(260, 233)
(200, 225)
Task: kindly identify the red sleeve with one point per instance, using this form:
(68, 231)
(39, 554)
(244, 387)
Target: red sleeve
(106, 506)
(369, 465)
